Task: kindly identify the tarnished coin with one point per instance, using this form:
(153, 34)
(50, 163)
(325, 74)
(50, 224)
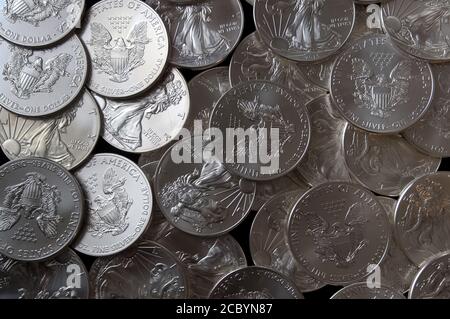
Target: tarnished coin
(205, 90)
(432, 281)
(304, 30)
(362, 291)
(202, 33)
(37, 23)
(336, 231)
(384, 163)
(63, 277)
(128, 45)
(41, 211)
(431, 134)
(255, 283)
(268, 245)
(422, 222)
(378, 89)
(396, 270)
(67, 137)
(150, 121)
(419, 27)
(198, 195)
(144, 271)
(37, 82)
(119, 204)
(153, 156)
(269, 113)
(253, 60)
(324, 159)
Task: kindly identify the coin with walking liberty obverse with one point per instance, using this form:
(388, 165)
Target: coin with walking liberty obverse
(67, 137)
(337, 230)
(197, 194)
(38, 82)
(272, 116)
(150, 121)
(41, 211)
(128, 45)
(362, 291)
(62, 277)
(304, 30)
(119, 204)
(37, 23)
(378, 89)
(202, 33)
(255, 283)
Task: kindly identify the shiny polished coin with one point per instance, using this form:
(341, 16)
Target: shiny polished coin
(253, 60)
(384, 163)
(198, 195)
(62, 277)
(41, 211)
(422, 222)
(268, 245)
(362, 291)
(119, 204)
(67, 137)
(419, 27)
(38, 82)
(268, 112)
(337, 230)
(128, 46)
(148, 122)
(431, 134)
(202, 33)
(304, 30)
(144, 271)
(38, 23)
(255, 283)
(432, 281)
(379, 90)
(324, 159)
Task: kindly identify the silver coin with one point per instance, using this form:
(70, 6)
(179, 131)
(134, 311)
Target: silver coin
(62, 277)
(128, 46)
(252, 2)
(144, 271)
(202, 33)
(153, 156)
(305, 31)
(38, 23)
(259, 107)
(336, 231)
(149, 170)
(422, 221)
(431, 134)
(362, 291)
(207, 260)
(384, 163)
(378, 89)
(159, 226)
(324, 159)
(205, 90)
(67, 137)
(39, 82)
(41, 211)
(396, 270)
(201, 197)
(255, 283)
(148, 122)
(268, 245)
(432, 281)
(419, 27)
(119, 200)
(253, 60)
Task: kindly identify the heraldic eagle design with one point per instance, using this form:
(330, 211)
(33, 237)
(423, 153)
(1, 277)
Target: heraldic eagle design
(31, 75)
(118, 57)
(32, 199)
(378, 92)
(34, 11)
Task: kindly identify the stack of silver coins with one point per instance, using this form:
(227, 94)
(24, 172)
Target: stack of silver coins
(351, 100)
